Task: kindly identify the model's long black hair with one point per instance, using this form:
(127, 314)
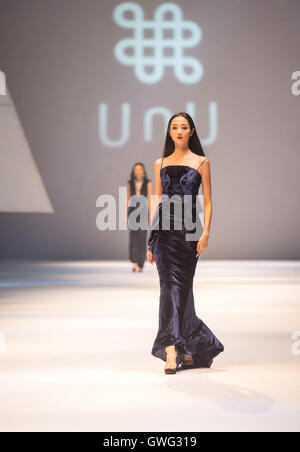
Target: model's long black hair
(194, 141)
(132, 176)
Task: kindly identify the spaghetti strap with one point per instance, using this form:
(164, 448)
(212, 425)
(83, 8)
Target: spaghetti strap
(201, 163)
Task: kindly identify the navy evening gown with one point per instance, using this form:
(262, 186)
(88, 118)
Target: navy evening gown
(137, 244)
(176, 261)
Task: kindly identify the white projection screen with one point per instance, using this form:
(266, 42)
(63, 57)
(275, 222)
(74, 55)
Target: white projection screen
(91, 86)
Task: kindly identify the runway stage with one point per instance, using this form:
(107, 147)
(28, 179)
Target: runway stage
(76, 339)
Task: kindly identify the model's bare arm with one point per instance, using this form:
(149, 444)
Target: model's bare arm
(127, 204)
(158, 187)
(128, 196)
(206, 188)
(149, 192)
(156, 200)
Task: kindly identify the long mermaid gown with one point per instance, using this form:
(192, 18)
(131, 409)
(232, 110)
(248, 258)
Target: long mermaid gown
(176, 261)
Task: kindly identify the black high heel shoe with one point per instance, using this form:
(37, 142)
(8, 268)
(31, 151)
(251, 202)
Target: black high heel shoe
(188, 364)
(185, 365)
(170, 370)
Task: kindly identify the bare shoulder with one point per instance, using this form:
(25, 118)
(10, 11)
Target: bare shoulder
(204, 161)
(204, 165)
(157, 164)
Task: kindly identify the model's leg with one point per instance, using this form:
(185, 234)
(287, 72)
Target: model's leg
(171, 364)
(142, 248)
(133, 249)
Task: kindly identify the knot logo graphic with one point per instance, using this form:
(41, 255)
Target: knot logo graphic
(164, 47)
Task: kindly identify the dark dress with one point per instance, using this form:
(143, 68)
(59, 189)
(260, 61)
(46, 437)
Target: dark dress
(138, 238)
(176, 261)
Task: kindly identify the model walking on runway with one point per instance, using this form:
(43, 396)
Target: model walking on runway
(139, 187)
(183, 340)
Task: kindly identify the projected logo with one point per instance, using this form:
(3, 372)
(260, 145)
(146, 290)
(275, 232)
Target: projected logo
(155, 45)
(158, 43)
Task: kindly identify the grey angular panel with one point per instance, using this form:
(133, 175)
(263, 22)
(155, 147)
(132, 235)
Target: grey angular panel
(21, 186)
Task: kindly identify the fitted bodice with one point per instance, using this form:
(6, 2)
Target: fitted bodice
(180, 206)
(180, 187)
(180, 180)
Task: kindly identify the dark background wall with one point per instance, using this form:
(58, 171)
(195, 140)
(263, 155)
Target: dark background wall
(58, 58)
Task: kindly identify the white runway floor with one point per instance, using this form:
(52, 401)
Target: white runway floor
(76, 340)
